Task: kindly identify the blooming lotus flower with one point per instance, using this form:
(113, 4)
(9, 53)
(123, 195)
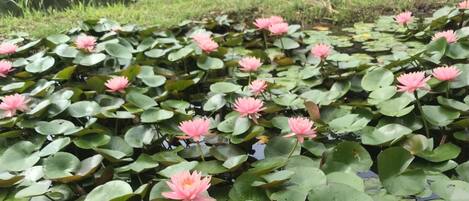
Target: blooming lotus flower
(265, 23)
(10, 104)
(117, 84)
(257, 87)
(7, 48)
(262, 23)
(195, 129)
(5, 68)
(404, 18)
(412, 81)
(446, 73)
(276, 19)
(205, 42)
(200, 37)
(278, 29)
(301, 128)
(249, 107)
(86, 43)
(464, 5)
(250, 64)
(321, 51)
(449, 35)
(188, 187)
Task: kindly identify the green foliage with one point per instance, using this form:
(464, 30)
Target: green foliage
(79, 140)
(169, 13)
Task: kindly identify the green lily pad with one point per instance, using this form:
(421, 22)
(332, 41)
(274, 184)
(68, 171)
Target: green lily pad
(84, 109)
(393, 173)
(110, 191)
(439, 116)
(377, 78)
(441, 153)
(348, 157)
(385, 134)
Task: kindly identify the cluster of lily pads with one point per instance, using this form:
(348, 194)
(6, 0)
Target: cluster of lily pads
(224, 109)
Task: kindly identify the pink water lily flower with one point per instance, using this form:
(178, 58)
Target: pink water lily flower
(302, 128)
(265, 23)
(249, 64)
(188, 187)
(205, 42)
(449, 35)
(117, 84)
(321, 51)
(7, 48)
(195, 129)
(276, 19)
(85, 43)
(412, 81)
(249, 107)
(257, 87)
(278, 29)
(5, 68)
(404, 18)
(198, 37)
(446, 73)
(12, 103)
(464, 4)
(262, 23)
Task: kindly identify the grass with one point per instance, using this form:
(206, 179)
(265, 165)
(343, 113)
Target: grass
(171, 12)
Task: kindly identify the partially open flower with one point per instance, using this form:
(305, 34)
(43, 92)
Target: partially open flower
(249, 64)
(446, 73)
(205, 42)
(265, 23)
(117, 84)
(412, 81)
(188, 187)
(257, 87)
(12, 103)
(5, 68)
(276, 19)
(278, 29)
(249, 107)
(85, 43)
(195, 129)
(7, 48)
(321, 51)
(262, 23)
(404, 18)
(302, 128)
(449, 35)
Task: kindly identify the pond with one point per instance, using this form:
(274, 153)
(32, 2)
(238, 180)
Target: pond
(359, 113)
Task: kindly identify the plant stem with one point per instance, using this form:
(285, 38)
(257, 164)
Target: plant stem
(206, 76)
(249, 80)
(185, 66)
(200, 150)
(419, 106)
(447, 89)
(294, 147)
(321, 69)
(48, 197)
(283, 47)
(264, 35)
(462, 20)
(443, 139)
